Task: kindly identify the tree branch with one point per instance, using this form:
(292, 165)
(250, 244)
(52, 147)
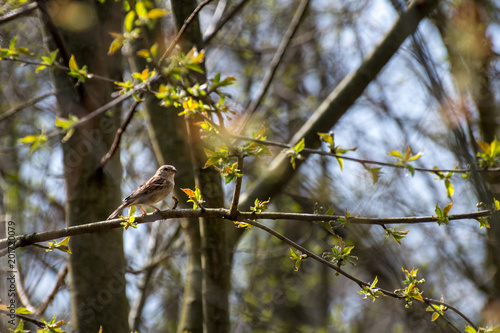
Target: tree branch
(182, 30)
(18, 12)
(339, 100)
(308, 151)
(210, 35)
(339, 270)
(237, 188)
(119, 132)
(222, 213)
(278, 56)
(24, 105)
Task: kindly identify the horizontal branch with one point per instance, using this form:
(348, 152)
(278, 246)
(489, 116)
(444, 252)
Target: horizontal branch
(9, 245)
(13, 14)
(222, 213)
(307, 151)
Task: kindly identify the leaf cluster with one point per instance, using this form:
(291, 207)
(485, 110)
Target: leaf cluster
(411, 291)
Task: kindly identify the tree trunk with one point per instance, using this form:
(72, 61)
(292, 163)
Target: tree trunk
(97, 265)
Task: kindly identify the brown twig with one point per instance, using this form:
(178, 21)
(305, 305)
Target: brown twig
(224, 20)
(18, 12)
(24, 105)
(237, 188)
(275, 62)
(61, 276)
(339, 270)
(119, 133)
(182, 30)
(359, 160)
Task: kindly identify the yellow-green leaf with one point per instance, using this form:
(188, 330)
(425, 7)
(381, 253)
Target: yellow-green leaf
(141, 10)
(129, 21)
(72, 64)
(416, 157)
(447, 209)
(143, 53)
(116, 44)
(485, 147)
(28, 139)
(156, 13)
(22, 311)
(395, 153)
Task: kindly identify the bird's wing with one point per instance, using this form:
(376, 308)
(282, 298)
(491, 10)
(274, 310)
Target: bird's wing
(150, 186)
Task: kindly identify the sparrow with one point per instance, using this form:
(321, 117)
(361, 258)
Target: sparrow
(151, 191)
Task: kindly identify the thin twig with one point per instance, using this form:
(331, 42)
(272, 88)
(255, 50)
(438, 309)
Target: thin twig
(275, 62)
(182, 30)
(61, 67)
(38, 323)
(18, 12)
(237, 187)
(24, 105)
(119, 133)
(358, 160)
(305, 251)
(339, 270)
(224, 20)
(61, 276)
(434, 309)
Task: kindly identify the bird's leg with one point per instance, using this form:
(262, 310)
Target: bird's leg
(143, 211)
(156, 209)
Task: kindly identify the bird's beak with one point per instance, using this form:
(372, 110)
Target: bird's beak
(172, 172)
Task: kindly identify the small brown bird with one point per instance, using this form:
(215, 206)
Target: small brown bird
(150, 192)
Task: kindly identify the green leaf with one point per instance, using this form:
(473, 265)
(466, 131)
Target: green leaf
(300, 146)
(61, 246)
(116, 44)
(326, 137)
(12, 43)
(298, 257)
(374, 173)
(397, 235)
(341, 163)
(129, 21)
(447, 209)
(22, 311)
(156, 13)
(141, 9)
(395, 153)
(72, 64)
(35, 140)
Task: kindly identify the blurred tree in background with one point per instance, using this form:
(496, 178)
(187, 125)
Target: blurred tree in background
(95, 95)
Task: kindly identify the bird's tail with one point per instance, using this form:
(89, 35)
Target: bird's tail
(117, 211)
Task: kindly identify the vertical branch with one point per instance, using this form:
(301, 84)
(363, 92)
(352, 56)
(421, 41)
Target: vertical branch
(237, 188)
(278, 56)
(119, 133)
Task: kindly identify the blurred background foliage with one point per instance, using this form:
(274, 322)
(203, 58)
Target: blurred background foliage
(438, 94)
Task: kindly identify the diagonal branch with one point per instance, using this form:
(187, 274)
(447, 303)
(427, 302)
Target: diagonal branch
(211, 34)
(18, 12)
(278, 56)
(119, 132)
(23, 105)
(339, 270)
(339, 101)
(182, 30)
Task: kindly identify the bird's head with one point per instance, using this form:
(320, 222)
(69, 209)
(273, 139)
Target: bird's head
(165, 171)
